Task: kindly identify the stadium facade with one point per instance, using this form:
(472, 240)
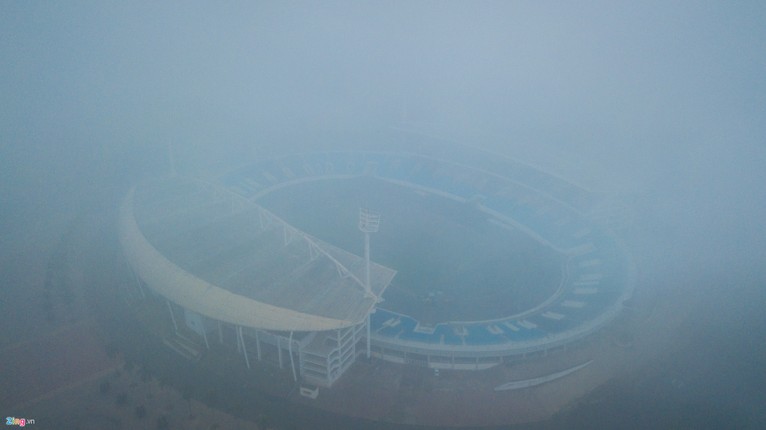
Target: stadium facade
(232, 272)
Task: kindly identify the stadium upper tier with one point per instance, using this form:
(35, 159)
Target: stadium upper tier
(216, 253)
(524, 197)
(598, 275)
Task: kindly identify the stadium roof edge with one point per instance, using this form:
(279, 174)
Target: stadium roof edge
(194, 293)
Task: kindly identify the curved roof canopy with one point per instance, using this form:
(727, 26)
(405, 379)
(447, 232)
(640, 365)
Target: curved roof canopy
(219, 254)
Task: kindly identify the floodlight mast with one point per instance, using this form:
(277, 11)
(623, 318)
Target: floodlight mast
(369, 222)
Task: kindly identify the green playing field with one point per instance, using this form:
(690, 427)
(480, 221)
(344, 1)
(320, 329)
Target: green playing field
(453, 263)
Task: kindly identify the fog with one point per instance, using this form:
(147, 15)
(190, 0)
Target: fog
(660, 106)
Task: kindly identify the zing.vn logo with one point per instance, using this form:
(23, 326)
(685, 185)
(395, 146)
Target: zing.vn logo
(21, 422)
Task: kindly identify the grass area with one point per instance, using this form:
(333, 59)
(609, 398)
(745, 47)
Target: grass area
(452, 263)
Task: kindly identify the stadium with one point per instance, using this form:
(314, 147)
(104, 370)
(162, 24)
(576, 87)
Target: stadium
(448, 259)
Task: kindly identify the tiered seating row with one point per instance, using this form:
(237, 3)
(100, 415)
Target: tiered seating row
(595, 280)
(506, 194)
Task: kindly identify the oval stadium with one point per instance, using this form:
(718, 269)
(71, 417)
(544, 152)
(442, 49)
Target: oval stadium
(449, 259)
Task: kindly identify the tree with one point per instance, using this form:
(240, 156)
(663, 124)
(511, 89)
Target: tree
(111, 349)
(211, 398)
(186, 393)
(163, 423)
(140, 411)
(146, 374)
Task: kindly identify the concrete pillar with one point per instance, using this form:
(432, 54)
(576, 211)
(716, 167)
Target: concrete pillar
(172, 316)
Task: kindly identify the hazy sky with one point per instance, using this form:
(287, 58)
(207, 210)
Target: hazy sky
(664, 101)
(637, 96)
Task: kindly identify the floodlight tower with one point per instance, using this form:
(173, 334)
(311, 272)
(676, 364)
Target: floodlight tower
(369, 222)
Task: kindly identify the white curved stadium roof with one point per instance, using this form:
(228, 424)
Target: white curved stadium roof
(216, 253)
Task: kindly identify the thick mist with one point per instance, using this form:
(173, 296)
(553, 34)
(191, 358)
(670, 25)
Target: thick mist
(660, 106)
(649, 97)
